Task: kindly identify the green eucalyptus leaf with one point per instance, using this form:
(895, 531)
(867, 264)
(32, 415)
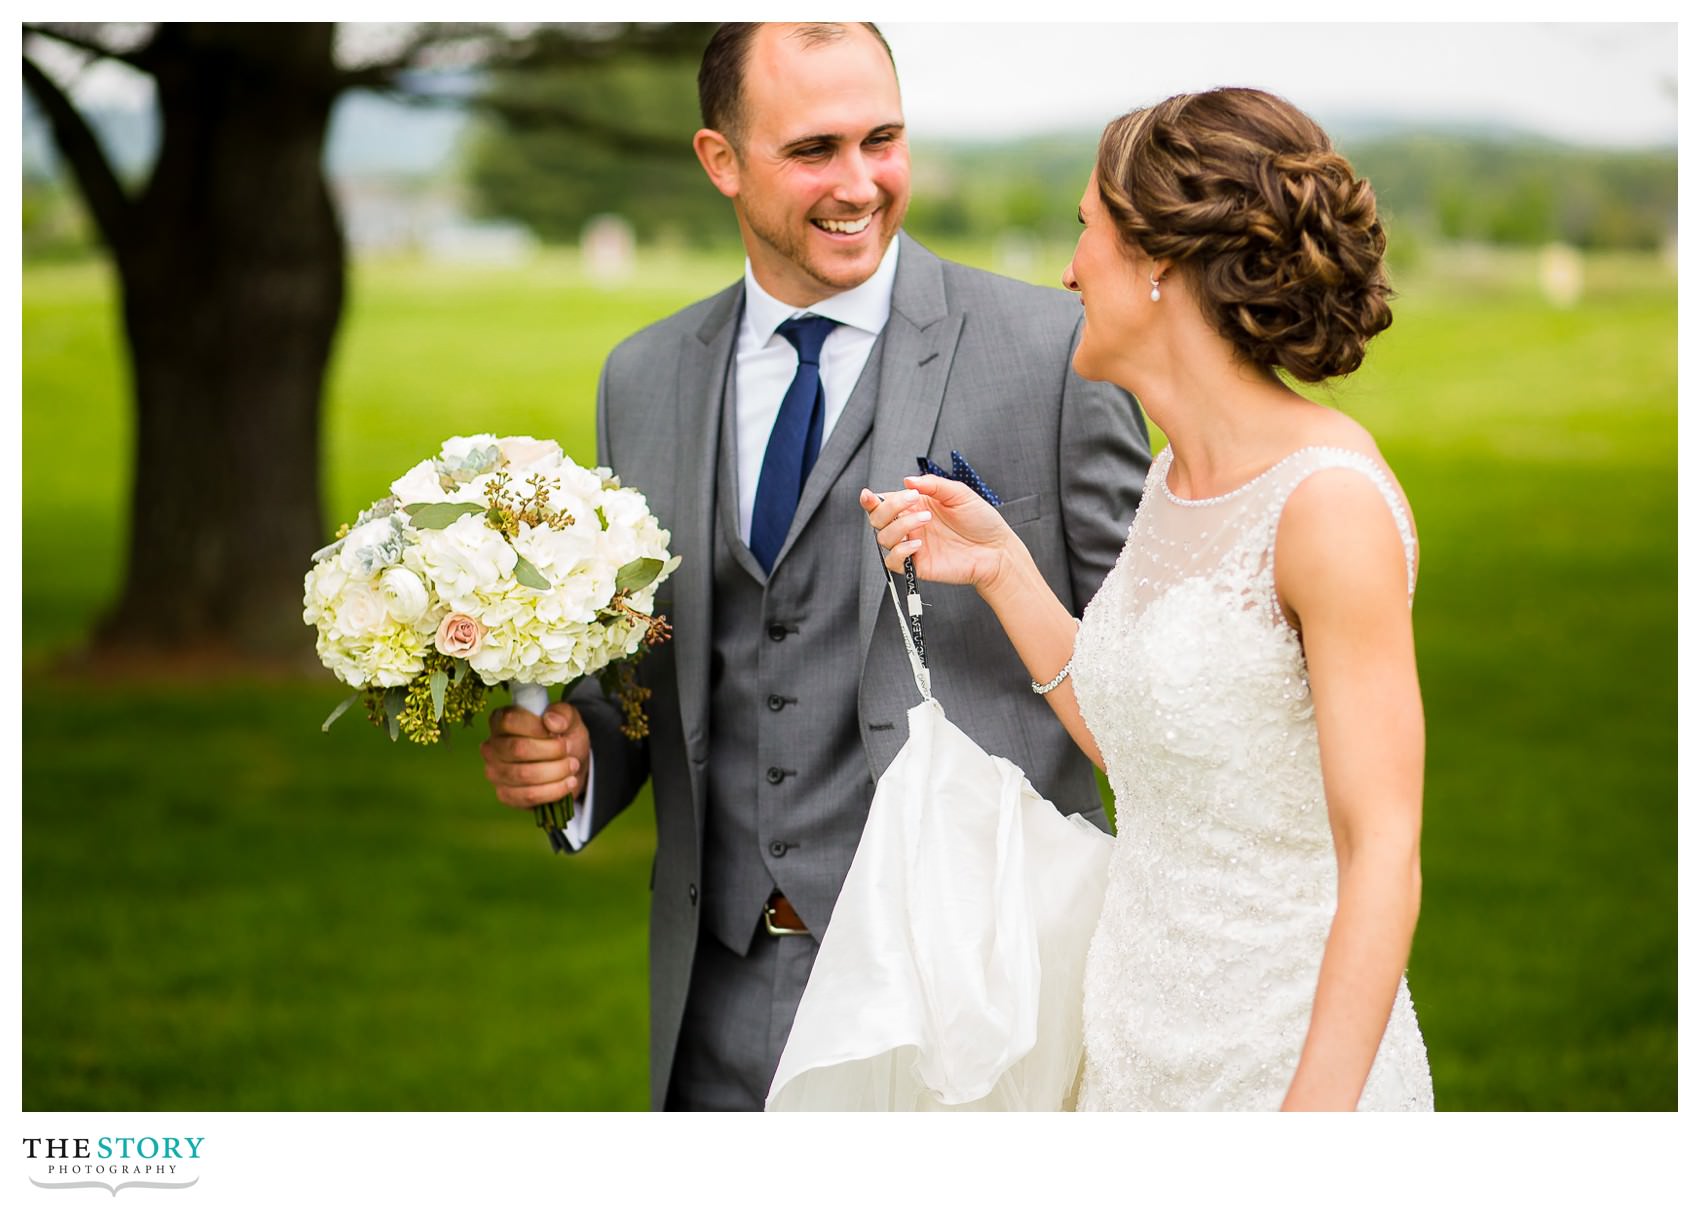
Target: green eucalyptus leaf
(435, 515)
(634, 576)
(338, 711)
(526, 574)
(461, 669)
(439, 688)
(395, 699)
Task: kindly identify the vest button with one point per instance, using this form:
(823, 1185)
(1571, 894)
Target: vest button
(775, 775)
(693, 895)
(775, 702)
(777, 849)
(776, 631)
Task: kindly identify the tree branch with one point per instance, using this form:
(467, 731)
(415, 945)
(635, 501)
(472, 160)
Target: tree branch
(611, 135)
(100, 186)
(534, 116)
(493, 49)
(136, 59)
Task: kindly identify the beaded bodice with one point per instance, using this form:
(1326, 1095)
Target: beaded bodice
(1222, 888)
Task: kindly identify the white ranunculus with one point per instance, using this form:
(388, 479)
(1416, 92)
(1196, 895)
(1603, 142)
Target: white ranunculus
(404, 594)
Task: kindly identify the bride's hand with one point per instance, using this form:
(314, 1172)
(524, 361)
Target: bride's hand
(953, 534)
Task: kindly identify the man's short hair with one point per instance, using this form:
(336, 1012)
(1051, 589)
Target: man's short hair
(720, 80)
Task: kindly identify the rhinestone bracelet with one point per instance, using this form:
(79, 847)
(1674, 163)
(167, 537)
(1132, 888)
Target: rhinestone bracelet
(1053, 684)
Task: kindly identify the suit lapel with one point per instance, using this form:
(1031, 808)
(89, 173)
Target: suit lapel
(703, 367)
(920, 347)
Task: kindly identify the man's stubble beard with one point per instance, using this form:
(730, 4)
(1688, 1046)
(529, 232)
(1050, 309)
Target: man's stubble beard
(794, 249)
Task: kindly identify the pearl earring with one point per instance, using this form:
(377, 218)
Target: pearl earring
(1156, 294)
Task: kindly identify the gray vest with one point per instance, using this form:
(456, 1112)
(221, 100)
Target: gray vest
(788, 779)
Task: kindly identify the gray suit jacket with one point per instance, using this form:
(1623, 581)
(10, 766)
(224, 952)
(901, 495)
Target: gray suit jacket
(968, 361)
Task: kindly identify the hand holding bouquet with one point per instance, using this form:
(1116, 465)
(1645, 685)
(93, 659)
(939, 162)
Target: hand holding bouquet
(499, 558)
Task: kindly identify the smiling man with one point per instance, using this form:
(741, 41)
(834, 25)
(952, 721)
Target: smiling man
(752, 420)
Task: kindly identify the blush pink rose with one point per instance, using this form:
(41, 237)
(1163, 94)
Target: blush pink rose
(459, 636)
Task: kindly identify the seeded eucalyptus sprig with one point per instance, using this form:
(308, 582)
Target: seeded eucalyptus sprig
(507, 510)
(441, 694)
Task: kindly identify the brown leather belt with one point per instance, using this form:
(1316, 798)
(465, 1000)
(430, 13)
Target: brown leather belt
(781, 917)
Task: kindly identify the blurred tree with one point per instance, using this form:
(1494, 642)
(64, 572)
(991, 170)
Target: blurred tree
(231, 263)
(1522, 192)
(553, 178)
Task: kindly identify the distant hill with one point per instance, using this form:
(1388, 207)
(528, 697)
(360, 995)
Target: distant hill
(1478, 182)
(369, 136)
(1458, 182)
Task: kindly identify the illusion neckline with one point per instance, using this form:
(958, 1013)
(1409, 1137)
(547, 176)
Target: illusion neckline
(1163, 480)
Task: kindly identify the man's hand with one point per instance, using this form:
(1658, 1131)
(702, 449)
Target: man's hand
(535, 760)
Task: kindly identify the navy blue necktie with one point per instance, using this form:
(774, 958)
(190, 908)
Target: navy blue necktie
(794, 444)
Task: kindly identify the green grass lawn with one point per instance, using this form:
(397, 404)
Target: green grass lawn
(224, 908)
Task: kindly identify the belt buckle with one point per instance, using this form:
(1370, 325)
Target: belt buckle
(772, 927)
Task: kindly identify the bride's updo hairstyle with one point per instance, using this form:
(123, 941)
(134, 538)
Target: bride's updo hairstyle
(1278, 237)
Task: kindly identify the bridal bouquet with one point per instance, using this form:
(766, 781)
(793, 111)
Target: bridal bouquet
(499, 560)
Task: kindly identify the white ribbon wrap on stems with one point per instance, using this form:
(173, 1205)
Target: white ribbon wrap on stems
(568, 833)
(530, 696)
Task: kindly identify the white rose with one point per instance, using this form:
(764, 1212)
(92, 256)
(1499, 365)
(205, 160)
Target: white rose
(580, 483)
(624, 508)
(525, 455)
(404, 594)
(422, 483)
(360, 610)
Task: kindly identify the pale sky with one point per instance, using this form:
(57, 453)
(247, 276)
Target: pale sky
(1608, 84)
(1597, 84)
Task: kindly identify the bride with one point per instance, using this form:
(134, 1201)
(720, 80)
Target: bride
(1246, 675)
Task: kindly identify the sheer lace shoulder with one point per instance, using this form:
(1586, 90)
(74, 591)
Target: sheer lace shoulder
(1308, 461)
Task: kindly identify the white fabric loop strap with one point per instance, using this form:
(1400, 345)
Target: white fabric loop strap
(911, 623)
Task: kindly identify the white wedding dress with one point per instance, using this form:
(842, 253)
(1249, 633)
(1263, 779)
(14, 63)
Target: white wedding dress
(1201, 973)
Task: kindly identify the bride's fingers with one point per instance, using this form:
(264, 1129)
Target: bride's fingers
(896, 556)
(903, 528)
(882, 510)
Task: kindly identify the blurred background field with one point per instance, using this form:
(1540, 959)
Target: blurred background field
(225, 908)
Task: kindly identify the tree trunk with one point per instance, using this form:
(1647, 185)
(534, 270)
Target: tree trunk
(232, 277)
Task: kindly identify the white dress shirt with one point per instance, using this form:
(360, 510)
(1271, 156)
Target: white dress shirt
(764, 363)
